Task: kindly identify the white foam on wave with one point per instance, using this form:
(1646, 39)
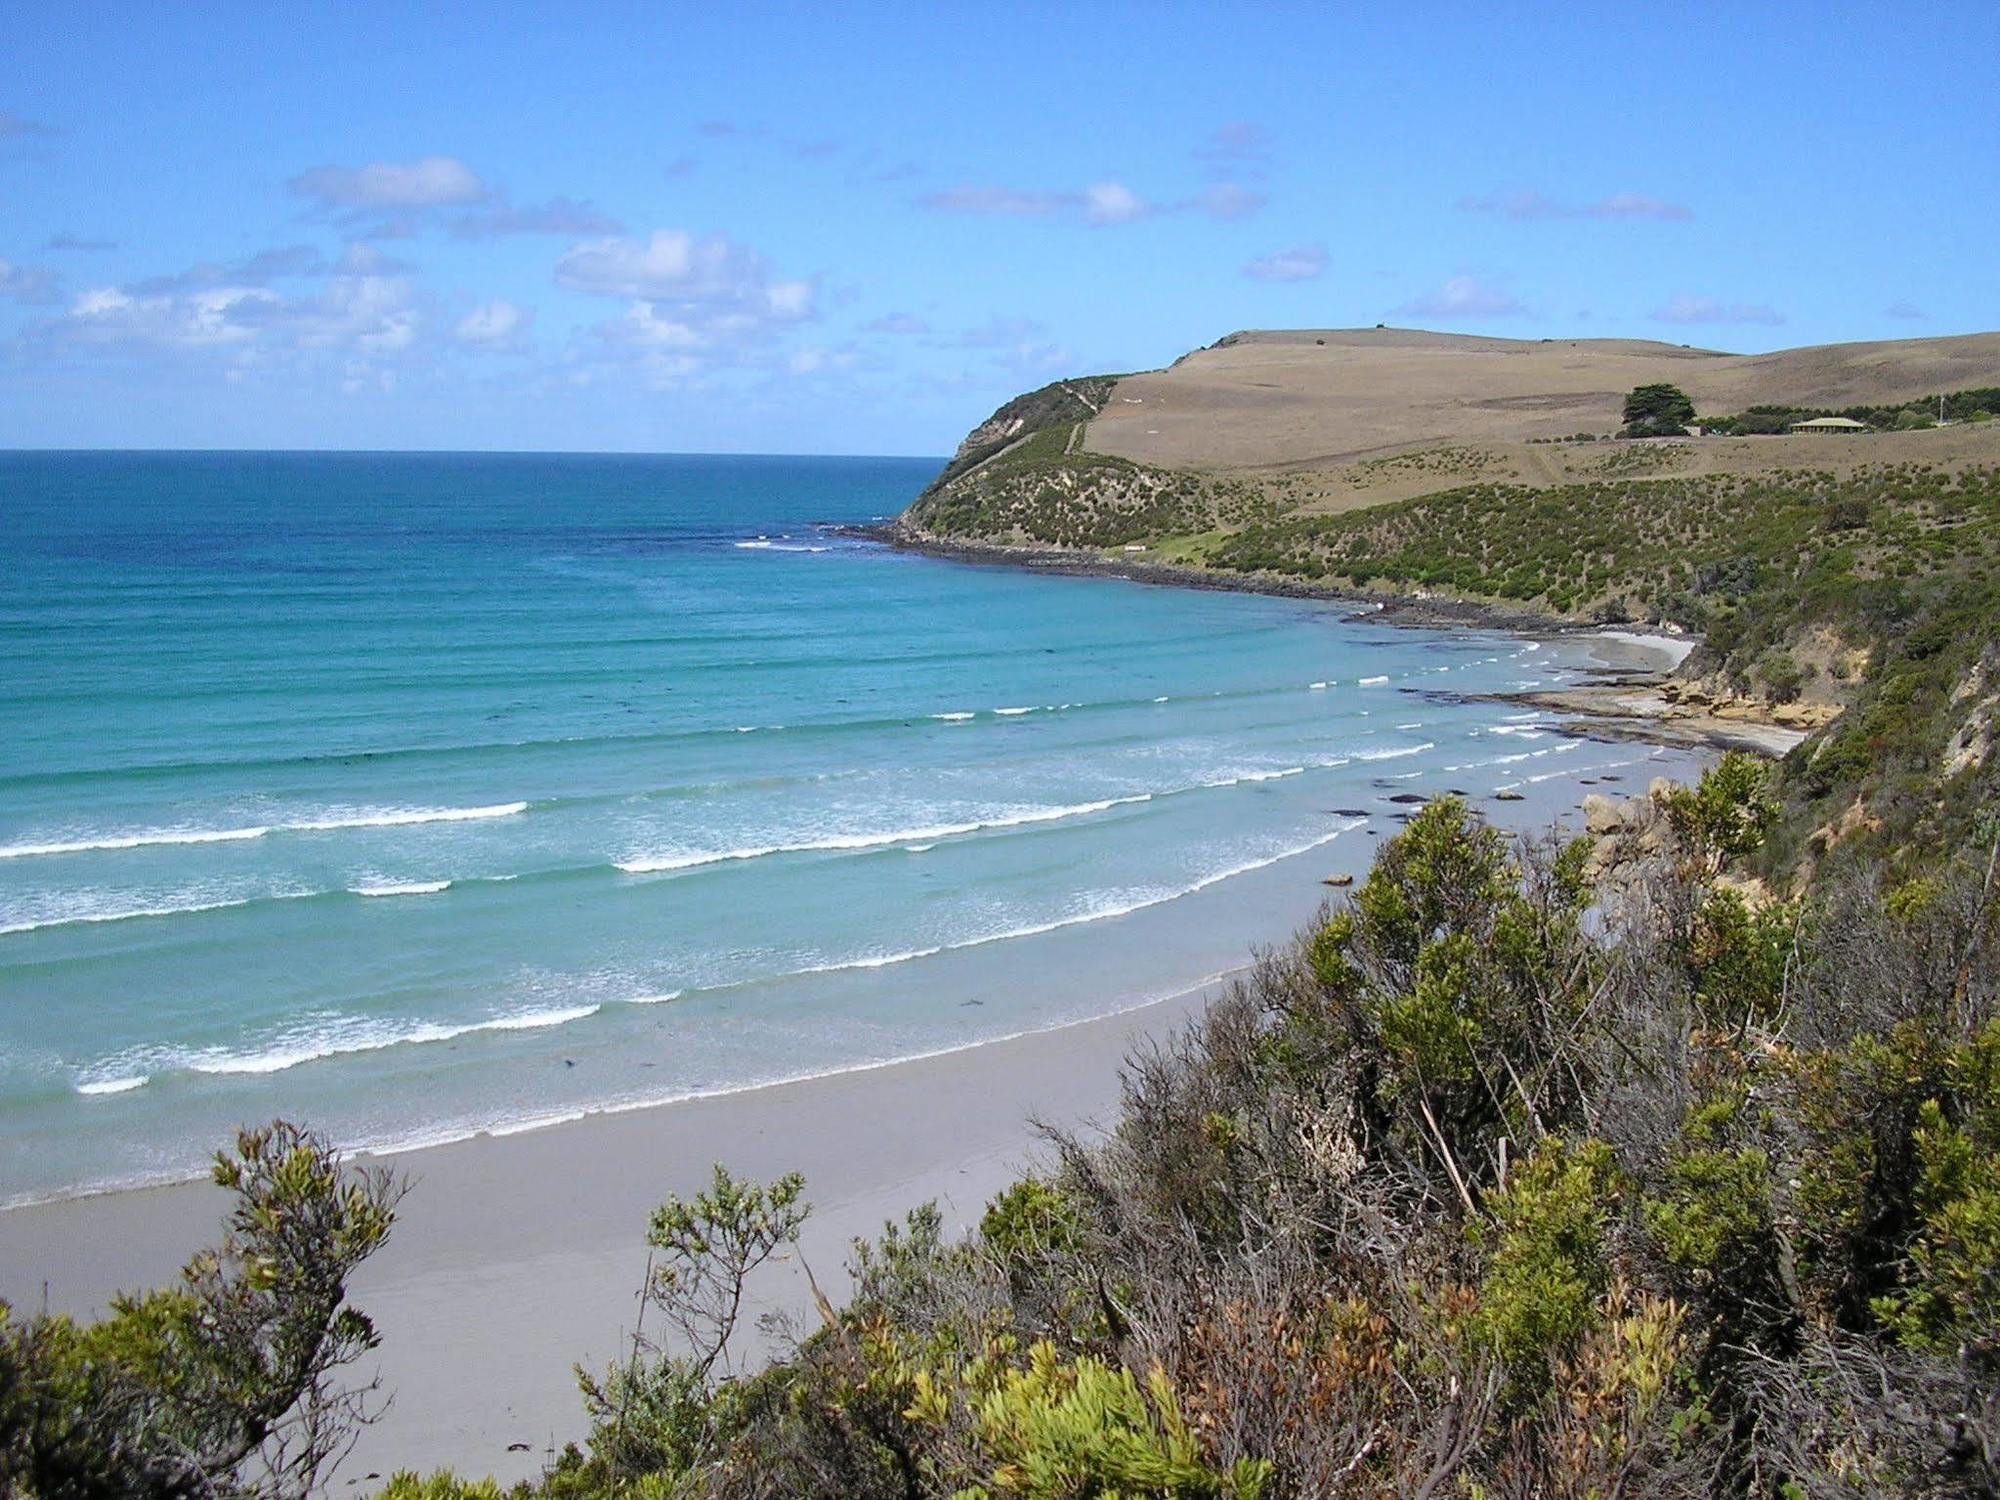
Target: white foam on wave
(1396, 754)
(384, 818)
(1317, 687)
(402, 818)
(1012, 713)
(1161, 699)
(134, 841)
(1373, 681)
(662, 864)
(99, 1087)
(342, 1036)
(918, 848)
(403, 888)
(1240, 777)
(138, 913)
(1104, 913)
(952, 718)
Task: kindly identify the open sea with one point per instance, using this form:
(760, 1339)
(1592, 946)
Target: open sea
(417, 795)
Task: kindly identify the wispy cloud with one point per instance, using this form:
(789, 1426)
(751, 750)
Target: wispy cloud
(999, 202)
(1903, 308)
(1684, 308)
(27, 284)
(14, 128)
(67, 241)
(1033, 360)
(1231, 200)
(995, 333)
(898, 323)
(428, 182)
(258, 270)
(558, 216)
(1300, 263)
(1100, 204)
(1465, 296)
(1237, 149)
(1524, 205)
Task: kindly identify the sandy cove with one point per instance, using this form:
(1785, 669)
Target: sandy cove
(518, 1255)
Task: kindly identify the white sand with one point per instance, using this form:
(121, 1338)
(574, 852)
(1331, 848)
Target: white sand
(519, 1255)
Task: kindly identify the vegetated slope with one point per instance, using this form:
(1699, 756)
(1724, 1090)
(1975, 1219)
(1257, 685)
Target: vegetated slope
(1475, 1189)
(1877, 591)
(1846, 579)
(1023, 476)
(1265, 400)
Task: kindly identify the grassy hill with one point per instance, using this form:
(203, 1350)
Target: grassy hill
(1311, 399)
(1858, 575)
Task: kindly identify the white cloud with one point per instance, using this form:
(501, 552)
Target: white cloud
(347, 318)
(695, 302)
(820, 361)
(1683, 308)
(675, 265)
(363, 259)
(644, 326)
(1465, 296)
(1113, 203)
(497, 326)
(1300, 263)
(428, 182)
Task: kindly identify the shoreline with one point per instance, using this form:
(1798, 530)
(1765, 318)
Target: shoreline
(549, 1224)
(1628, 704)
(1399, 608)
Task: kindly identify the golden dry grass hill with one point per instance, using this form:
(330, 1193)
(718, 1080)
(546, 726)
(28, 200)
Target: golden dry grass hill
(1366, 415)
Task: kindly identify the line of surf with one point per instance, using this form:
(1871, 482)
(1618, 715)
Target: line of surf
(348, 1038)
(156, 837)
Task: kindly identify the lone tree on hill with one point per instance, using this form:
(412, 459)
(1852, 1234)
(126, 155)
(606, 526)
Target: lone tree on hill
(1657, 411)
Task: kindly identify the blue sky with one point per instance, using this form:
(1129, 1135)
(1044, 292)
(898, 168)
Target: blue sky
(816, 229)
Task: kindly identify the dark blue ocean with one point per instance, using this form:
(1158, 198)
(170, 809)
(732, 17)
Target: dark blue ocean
(417, 795)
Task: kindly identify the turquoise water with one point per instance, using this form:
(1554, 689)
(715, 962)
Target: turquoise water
(417, 795)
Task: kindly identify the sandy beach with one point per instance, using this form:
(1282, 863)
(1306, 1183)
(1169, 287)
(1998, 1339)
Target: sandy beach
(518, 1255)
